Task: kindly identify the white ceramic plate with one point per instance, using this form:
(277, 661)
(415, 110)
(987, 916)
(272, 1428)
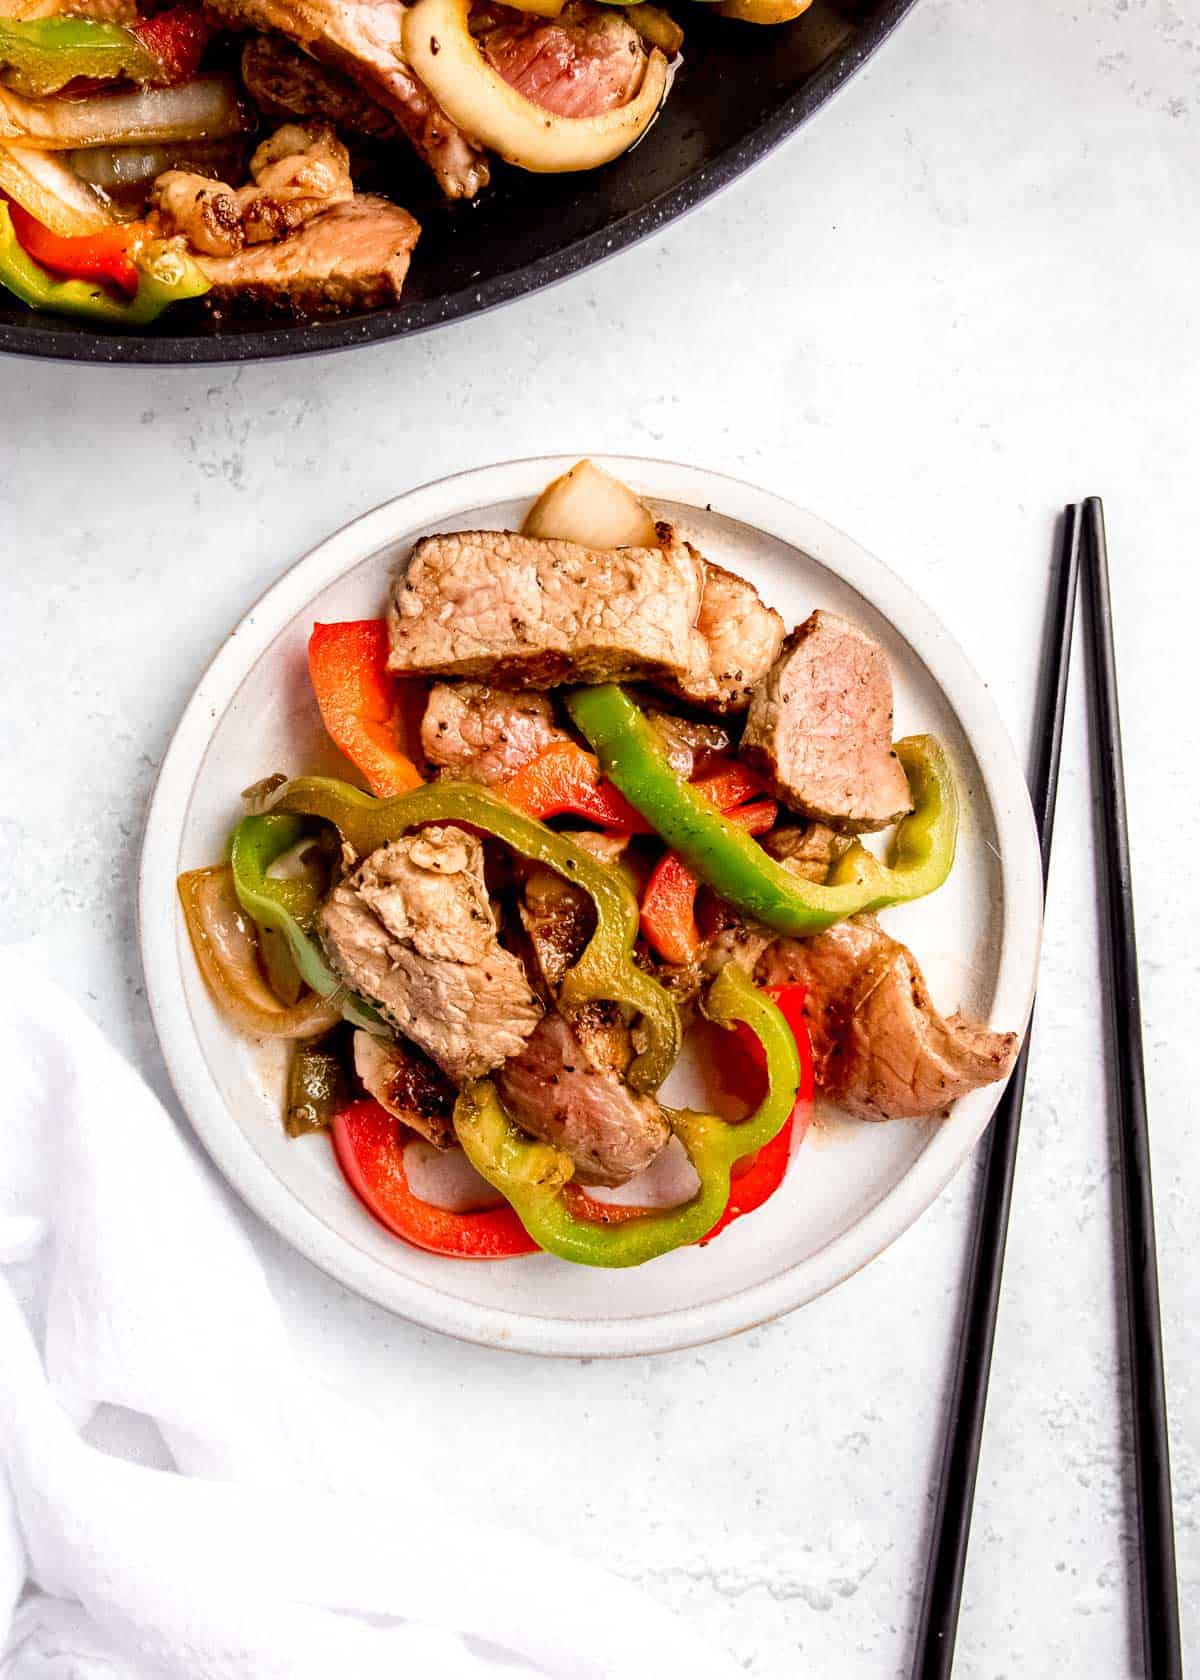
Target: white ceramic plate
(852, 1189)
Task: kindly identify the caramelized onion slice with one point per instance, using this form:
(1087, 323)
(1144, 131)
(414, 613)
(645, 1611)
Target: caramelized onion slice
(444, 55)
(226, 948)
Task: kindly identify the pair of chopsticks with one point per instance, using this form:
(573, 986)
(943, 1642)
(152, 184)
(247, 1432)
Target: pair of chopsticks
(1083, 548)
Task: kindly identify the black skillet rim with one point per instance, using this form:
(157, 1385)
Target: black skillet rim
(322, 337)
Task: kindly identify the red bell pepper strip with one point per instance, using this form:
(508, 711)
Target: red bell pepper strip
(669, 901)
(177, 38)
(766, 1171)
(563, 780)
(93, 256)
(370, 1151)
(733, 784)
(361, 702)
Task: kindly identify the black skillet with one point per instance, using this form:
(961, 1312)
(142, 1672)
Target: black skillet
(740, 91)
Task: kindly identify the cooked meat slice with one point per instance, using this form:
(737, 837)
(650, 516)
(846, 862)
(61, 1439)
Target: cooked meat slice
(354, 256)
(408, 1085)
(486, 734)
(363, 38)
(880, 1048)
(585, 61)
(685, 739)
(820, 728)
(742, 637)
(528, 612)
(297, 174)
(808, 849)
(413, 931)
(283, 81)
(731, 938)
(555, 1089)
(559, 918)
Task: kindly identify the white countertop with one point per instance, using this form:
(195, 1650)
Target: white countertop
(962, 296)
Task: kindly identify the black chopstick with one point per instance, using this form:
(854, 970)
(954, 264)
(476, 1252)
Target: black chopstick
(956, 1491)
(1160, 1587)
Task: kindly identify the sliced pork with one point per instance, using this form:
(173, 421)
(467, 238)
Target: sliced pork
(354, 256)
(587, 60)
(881, 1050)
(808, 849)
(408, 1085)
(295, 175)
(283, 81)
(820, 728)
(528, 612)
(486, 734)
(556, 1089)
(741, 637)
(414, 932)
(363, 38)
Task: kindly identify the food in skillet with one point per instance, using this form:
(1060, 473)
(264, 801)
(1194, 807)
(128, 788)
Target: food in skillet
(612, 804)
(151, 153)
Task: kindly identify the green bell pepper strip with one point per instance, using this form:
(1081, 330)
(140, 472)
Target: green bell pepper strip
(165, 276)
(533, 1177)
(47, 53)
(289, 906)
(726, 858)
(605, 970)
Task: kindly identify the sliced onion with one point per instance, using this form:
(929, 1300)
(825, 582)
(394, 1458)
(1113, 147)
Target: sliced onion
(226, 948)
(538, 8)
(124, 169)
(657, 27)
(206, 108)
(446, 1179)
(445, 56)
(53, 194)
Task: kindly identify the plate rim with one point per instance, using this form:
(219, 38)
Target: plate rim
(292, 340)
(157, 914)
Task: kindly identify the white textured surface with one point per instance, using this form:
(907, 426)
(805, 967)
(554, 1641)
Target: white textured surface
(962, 296)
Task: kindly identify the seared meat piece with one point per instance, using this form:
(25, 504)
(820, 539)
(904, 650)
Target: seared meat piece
(354, 256)
(880, 1048)
(486, 734)
(413, 930)
(556, 1090)
(684, 739)
(363, 39)
(731, 938)
(283, 81)
(820, 728)
(297, 174)
(408, 1085)
(808, 849)
(559, 918)
(741, 636)
(585, 61)
(528, 612)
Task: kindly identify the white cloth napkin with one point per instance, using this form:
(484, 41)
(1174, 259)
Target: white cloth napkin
(126, 1280)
